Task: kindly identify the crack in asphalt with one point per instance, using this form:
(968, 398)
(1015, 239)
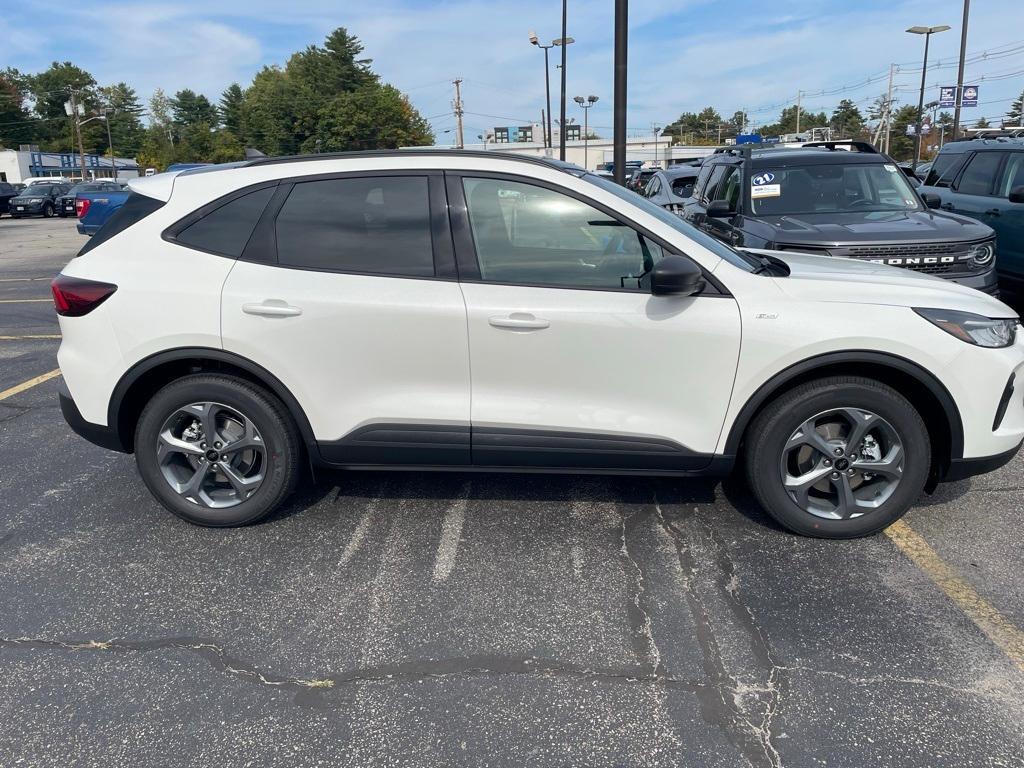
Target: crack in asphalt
(313, 692)
(746, 712)
(640, 619)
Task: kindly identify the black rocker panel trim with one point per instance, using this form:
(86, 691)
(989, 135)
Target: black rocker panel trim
(430, 445)
(400, 444)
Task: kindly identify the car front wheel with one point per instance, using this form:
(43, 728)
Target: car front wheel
(217, 450)
(840, 457)
(48, 211)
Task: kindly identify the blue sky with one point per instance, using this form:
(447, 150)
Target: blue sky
(684, 54)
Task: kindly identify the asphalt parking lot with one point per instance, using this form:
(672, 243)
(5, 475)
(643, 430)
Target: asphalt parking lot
(399, 619)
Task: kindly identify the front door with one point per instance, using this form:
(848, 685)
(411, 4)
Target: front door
(574, 364)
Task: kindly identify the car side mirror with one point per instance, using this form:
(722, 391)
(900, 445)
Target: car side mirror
(719, 209)
(931, 200)
(1017, 195)
(676, 276)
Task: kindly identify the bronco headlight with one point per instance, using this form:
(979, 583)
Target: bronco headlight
(974, 329)
(982, 253)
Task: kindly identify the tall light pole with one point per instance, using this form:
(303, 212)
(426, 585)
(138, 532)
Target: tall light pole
(563, 41)
(547, 82)
(619, 112)
(960, 71)
(586, 104)
(927, 32)
(654, 129)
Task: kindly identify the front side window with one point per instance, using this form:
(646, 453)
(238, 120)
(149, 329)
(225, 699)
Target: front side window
(377, 225)
(530, 235)
(980, 174)
(653, 187)
(831, 188)
(711, 191)
(944, 169)
(729, 188)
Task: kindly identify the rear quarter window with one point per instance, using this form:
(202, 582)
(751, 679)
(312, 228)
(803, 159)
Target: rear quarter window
(135, 209)
(226, 229)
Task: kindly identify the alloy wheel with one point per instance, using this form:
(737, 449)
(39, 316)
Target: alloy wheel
(211, 455)
(842, 463)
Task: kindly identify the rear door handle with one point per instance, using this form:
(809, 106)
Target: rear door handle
(946, 206)
(272, 308)
(519, 321)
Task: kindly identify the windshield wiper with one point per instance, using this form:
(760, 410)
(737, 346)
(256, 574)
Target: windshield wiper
(764, 264)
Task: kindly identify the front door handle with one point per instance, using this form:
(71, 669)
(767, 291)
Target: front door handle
(272, 308)
(946, 206)
(519, 321)
(992, 212)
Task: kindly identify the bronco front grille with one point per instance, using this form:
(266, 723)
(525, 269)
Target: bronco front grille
(930, 258)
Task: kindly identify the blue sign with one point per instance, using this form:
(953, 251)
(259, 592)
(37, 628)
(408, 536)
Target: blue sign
(970, 98)
(947, 96)
(772, 139)
(748, 138)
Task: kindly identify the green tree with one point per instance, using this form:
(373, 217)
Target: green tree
(981, 122)
(847, 120)
(372, 117)
(1015, 117)
(901, 145)
(787, 121)
(268, 117)
(190, 109)
(16, 123)
(50, 89)
(123, 111)
(231, 104)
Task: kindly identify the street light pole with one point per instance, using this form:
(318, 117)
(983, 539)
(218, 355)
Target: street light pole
(586, 104)
(547, 83)
(960, 71)
(565, 44)
(619, 113)
(927, 32)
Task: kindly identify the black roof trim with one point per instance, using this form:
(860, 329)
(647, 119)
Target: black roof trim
(860, 146)
(544, 161)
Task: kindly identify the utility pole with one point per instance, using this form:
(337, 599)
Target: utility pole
(888, 109)
(799, 96)
(547, 85)
(565, 45)
(75, 116)
(457, 107)
(960, 72)
(619, 114)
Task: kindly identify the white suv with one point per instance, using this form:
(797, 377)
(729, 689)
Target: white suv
(476, 311)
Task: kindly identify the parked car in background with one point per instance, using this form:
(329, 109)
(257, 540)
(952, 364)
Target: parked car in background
(7, 191)
(852, 204)
(639, 179)
(524, 313)
(670, 188)
(984, 179)
(66, 202)
(37, 200)
(48, 180)
(95, 208)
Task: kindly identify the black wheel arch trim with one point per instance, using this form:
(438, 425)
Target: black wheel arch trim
(261, 374)
(900, 364)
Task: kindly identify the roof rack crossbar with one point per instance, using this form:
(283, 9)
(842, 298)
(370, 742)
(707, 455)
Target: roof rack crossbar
(860, 146)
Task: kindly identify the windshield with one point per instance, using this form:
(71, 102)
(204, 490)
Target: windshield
(717, 247)
(85, 188)
(855, 187)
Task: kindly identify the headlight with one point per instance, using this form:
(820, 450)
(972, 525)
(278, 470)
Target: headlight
(982, 253)
(974, 329)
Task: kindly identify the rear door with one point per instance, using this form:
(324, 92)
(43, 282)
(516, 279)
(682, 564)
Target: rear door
(346, 292)
(1008, 220)
(975, 187)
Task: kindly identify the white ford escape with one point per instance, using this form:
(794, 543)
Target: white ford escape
(461, 310)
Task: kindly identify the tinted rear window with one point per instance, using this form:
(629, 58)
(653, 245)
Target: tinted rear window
(370, 225)
(135, 209)
(944, 169)
(227, 229)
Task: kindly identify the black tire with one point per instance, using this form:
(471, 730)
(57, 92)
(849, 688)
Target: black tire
(768, 434)
(270, 417)
(47, 211)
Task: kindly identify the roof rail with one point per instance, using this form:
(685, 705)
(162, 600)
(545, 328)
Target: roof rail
(491, 154)
(860, 146)
(740, 150)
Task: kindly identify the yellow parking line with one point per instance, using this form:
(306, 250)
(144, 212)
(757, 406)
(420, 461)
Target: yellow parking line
(18, 388)
(23, 301)
(997, 627)
(31, 336)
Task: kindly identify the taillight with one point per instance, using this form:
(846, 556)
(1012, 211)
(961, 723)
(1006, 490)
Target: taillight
(81, 206)
(75, 297)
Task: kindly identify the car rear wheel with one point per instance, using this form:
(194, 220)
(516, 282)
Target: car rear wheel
(217, 450)
(840, 457)
(48, 211)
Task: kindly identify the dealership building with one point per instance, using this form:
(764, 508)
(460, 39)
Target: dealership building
(20, 165)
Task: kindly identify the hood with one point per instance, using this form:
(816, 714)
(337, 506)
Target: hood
(881, 227)
(831, 279)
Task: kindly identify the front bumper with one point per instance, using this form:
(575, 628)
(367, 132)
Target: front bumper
(103, 436)
(26, 209)
(986, 282)
(961, 469)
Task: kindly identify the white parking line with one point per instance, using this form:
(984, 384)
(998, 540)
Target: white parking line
(359, 534)
(451, 533)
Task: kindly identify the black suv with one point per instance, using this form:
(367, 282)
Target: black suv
(984, 178)
(823, 199)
